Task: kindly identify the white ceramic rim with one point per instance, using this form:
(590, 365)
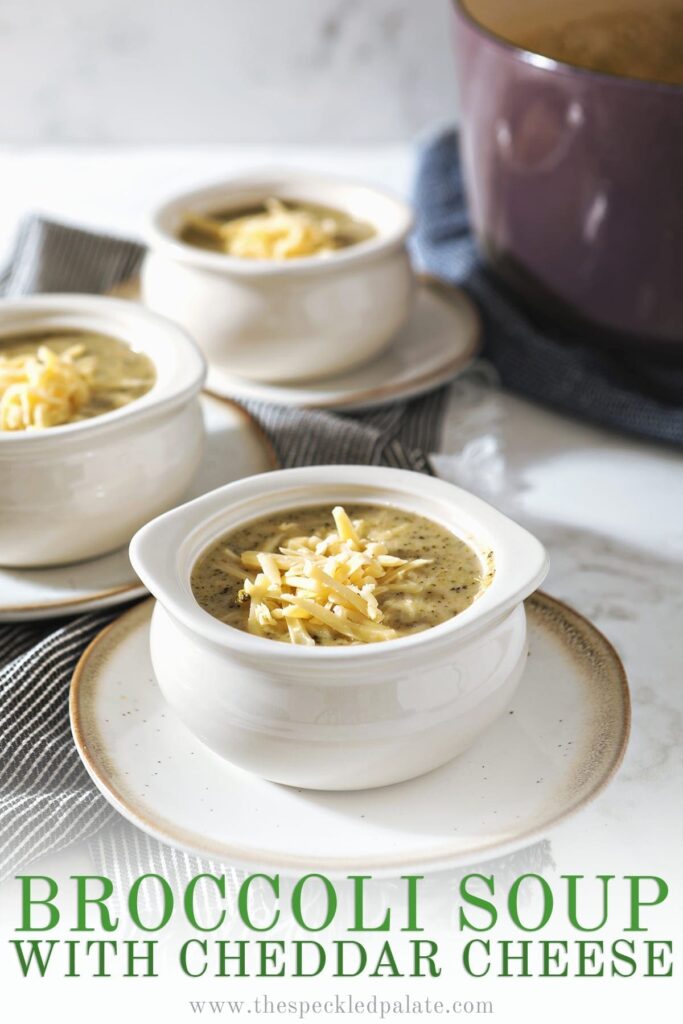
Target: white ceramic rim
(392, 219)
(178, 379)
(520, 560)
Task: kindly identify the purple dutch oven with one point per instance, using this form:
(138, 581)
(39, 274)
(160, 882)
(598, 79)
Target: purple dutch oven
(574, 176)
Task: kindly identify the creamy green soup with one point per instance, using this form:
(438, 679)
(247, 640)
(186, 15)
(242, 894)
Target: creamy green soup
(305, 576)
(52, 378)
(275, 230)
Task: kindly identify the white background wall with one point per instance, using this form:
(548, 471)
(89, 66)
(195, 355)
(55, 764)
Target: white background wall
(138, 71)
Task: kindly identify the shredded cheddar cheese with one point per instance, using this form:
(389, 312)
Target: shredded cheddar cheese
(278, 232)
(44, 389)
(333, 581)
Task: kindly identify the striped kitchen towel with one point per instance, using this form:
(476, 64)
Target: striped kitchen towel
(47, 801)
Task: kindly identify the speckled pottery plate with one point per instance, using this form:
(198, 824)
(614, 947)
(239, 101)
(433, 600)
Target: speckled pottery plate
(560, 742)
(440, 340)
(235, 448)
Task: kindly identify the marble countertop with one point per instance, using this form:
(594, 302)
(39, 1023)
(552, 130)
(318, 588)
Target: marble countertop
(607, 507)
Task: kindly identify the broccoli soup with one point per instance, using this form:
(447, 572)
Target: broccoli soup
(275, 230)
(362, 574)
(59, 377)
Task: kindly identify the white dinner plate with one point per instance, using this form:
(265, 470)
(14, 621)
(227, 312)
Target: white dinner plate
(440, 340)
(235, 448)
(559, 743)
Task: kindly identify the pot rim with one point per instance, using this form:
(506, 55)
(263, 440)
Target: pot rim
(542, 61)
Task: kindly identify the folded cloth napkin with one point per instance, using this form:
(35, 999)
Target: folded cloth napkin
(636, 392)
(47, 800)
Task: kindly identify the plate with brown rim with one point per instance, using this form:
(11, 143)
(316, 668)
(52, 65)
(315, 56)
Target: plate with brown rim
(235, 448)
(441, 339)
(557, 746)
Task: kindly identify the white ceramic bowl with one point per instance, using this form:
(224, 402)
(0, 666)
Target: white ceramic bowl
(289, 320)
(337, 717)
(80, 490)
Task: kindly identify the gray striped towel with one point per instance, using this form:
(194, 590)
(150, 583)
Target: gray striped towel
(47, 801)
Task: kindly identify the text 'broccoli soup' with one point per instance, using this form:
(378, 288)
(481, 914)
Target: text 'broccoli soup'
(59, 377)
(346, 576)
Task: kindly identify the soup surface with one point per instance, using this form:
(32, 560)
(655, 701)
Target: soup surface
(275, 230)
(314, 576)
(619, 37)
(50, 379)
(632, 42)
